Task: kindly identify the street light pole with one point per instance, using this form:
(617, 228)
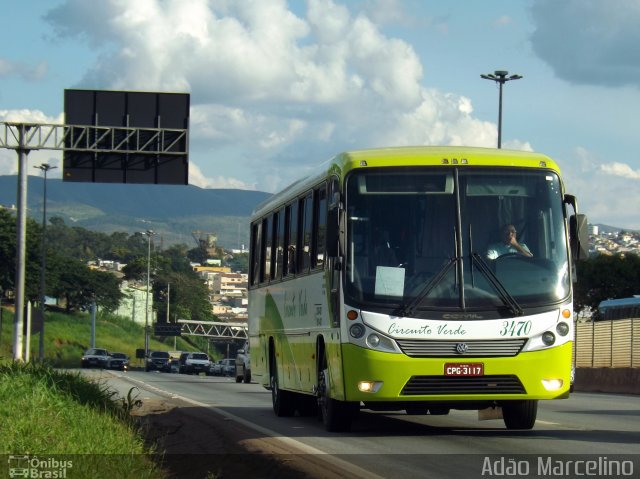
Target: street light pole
(500, 77)
(149, 234)
(45, 167)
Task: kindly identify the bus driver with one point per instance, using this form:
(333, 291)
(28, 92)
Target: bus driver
(508, 245)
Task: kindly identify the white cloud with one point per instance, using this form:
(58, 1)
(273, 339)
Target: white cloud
(605, 192)
(197, 178)
(620, 169)
(9, 158)
(271, 91)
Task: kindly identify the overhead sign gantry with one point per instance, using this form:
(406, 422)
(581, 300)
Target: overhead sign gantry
(108, 136)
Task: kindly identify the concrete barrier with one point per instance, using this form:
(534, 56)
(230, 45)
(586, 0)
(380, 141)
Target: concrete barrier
(608, 380)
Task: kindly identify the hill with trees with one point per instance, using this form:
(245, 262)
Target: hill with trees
(173, 211)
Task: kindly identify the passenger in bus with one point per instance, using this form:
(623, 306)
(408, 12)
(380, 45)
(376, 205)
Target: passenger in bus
(508, 244)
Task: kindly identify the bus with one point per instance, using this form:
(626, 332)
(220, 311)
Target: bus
(374, 284)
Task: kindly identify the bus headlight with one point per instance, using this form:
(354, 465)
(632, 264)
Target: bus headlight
(356, 330)
(548, 338)
(552, 384)
(373, 340)
(369, 386)
(562, 329)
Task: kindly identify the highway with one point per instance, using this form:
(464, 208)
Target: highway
(604, 428)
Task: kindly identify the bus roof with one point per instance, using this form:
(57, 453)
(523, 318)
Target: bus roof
(445, 156)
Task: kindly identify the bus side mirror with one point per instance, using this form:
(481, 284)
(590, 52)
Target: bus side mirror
(579, 237)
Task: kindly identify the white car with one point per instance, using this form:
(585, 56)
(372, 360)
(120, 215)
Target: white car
(95, 358)
(194, 363)
(243, 364)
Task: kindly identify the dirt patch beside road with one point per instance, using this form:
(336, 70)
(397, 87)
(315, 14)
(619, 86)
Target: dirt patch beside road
(198, 443)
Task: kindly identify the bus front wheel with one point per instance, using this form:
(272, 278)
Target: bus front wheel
(520, 414)
(336, 415)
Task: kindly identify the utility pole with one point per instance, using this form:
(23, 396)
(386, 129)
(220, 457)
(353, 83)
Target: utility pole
(45, 167)
(500, 77)
(149, 234)
(21, 242)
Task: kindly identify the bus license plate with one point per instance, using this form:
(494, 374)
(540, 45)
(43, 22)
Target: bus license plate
(464, 369)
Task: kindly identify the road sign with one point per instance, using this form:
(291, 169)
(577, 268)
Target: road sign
(167, 329)
(126, 137)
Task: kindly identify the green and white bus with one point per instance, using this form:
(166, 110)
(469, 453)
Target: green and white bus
(375, 284)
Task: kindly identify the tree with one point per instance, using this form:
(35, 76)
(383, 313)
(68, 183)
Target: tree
(79, 285)
(239, 262)
(606, 277)
(8, 254)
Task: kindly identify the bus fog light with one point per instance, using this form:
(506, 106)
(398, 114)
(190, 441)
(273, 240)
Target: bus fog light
(562, 329)
(373, 340)
(356, 330)
(548, 338)
(369, 386)
(552, 384)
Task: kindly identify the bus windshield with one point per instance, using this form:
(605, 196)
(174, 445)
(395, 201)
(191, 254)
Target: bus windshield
(465, 239)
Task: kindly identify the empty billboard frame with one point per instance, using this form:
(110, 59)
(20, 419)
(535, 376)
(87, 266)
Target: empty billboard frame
(126, 137)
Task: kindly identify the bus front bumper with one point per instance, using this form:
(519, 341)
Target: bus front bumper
(372, 376)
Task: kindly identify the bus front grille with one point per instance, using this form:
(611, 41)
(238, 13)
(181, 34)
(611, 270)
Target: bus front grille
(477, 349)
(424, 385)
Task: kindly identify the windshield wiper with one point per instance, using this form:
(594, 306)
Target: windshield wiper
(505, 296)
(409, 309)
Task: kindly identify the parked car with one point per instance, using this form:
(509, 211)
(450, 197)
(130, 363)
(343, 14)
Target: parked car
(94, 358)
(158, 361)
(223, 367)
(194, 363)
(118, 361)
(243, 364)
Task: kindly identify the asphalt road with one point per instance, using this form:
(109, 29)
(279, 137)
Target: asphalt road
(603, 429)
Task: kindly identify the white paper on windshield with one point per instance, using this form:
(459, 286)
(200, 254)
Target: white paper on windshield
(389, 281)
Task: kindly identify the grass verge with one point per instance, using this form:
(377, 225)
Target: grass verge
(46, 413)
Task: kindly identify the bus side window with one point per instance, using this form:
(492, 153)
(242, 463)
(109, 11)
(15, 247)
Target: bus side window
(279, 243)
(320, 227)
(267, 227)
(290, 241)
(256, 240)
(306, 227)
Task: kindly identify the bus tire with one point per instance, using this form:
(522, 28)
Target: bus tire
(336, 415)
(520, 414)
(283, 403)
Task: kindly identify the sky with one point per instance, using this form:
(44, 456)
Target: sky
(277, 87)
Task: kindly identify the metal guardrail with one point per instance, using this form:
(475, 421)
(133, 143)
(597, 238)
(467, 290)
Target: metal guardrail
(608, 344)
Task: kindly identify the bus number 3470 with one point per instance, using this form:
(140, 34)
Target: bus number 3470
(515, 328)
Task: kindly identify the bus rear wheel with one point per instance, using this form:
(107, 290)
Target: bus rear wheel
(336, 415)
(283, 403)
(520, 414)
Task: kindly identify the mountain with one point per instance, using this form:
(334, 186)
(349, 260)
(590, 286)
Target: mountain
(173, 211)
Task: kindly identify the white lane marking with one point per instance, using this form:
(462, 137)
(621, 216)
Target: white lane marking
(353, 470)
